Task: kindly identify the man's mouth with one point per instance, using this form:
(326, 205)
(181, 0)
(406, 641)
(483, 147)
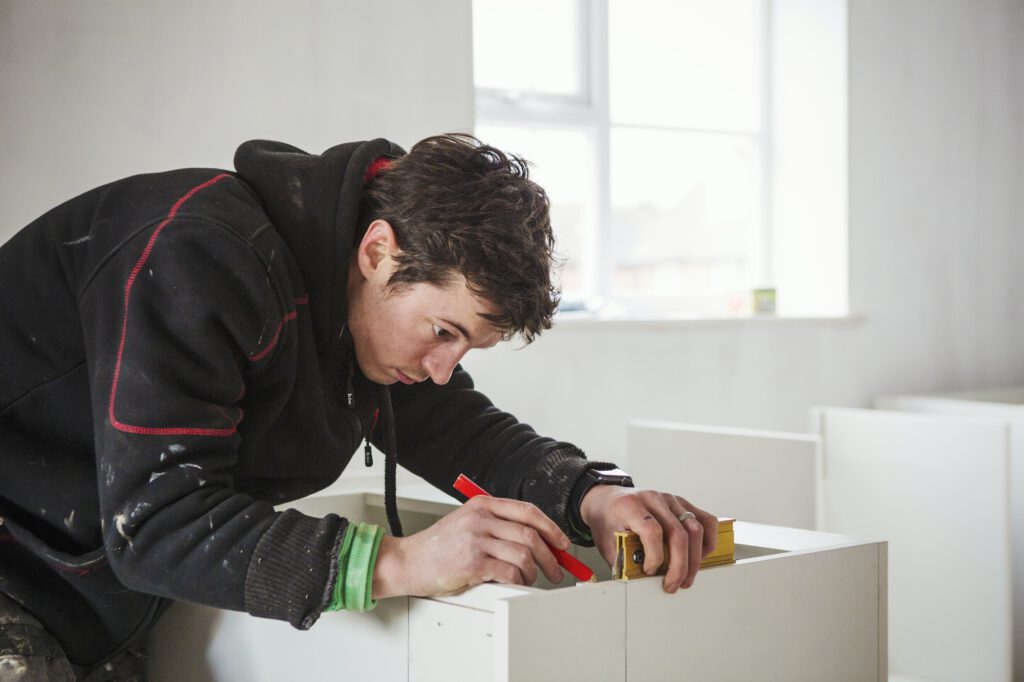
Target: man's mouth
(405, 378)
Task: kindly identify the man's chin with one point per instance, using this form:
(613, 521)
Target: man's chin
(377, 375)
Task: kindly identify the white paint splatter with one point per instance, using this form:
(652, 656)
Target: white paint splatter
(110, 474)
(119, 522)
(80, 240)
(176, 448)
(163, 456)
(69, 520)
(190, 465)
(211, 522)
(155, 475)
(14, 667)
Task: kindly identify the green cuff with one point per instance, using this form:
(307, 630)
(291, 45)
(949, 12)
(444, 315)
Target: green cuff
(353, 589)
(337, 599)
(584, 534)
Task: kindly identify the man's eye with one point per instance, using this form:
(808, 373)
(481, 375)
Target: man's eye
(441, 332)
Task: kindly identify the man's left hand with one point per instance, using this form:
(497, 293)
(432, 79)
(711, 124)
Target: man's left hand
(654, 516)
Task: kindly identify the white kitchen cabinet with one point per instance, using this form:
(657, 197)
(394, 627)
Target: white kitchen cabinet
(796, 605)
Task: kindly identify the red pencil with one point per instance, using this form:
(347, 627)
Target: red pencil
(567, 561)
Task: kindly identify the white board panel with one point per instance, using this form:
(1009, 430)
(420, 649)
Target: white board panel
(570, 634)
(937, 489)
(202, 644)
(449, 643)
(756, 476)
(812, 616)
(1002, 404)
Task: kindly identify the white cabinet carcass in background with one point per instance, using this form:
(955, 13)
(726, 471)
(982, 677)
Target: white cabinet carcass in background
(1007, 406)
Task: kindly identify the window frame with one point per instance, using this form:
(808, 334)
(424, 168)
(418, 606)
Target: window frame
(589, 112)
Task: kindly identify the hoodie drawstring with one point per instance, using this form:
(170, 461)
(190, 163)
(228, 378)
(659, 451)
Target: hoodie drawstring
(390, 447)
(390, 464)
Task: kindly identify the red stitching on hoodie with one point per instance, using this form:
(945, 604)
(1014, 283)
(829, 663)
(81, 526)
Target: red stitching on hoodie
(277, 334)
(146, 430)
(379, 164)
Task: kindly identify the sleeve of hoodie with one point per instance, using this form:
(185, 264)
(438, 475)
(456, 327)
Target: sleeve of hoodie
(442, 431)
(175, 322)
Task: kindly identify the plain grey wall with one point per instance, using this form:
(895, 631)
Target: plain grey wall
(92, 91)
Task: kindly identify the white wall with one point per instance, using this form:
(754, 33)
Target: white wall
(90, 92)
(936, 115)
(93, 91)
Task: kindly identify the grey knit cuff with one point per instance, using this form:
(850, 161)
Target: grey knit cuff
(294, 567)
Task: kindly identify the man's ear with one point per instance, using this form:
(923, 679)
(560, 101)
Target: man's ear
(376, 249)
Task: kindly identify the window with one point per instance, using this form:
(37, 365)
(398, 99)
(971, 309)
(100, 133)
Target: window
(693, 150)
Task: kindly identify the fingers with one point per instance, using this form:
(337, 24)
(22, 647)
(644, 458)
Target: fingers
(709, 522)
(655, 518)
(643, 516)
(523, 513)
(534, 551)
(680, 548)
(517, 534)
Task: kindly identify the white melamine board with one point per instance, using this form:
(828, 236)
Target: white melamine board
(1006, 395)
(757, 476)
(201, 644)
(937, 489)
(449, 643)
(809, 616)
(576, 633)
(1003, 404)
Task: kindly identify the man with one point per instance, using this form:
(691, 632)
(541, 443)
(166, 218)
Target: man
(186, 349)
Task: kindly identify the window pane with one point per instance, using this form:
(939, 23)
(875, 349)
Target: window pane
(686, 210)
(528, 46)
(559, 160)
(685, 63)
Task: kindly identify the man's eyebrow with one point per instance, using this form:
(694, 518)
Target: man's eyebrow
(462, 330)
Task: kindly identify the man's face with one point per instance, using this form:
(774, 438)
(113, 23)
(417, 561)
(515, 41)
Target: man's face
(421, 332)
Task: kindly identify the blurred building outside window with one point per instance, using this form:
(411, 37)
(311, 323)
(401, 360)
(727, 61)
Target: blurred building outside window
(694, 150)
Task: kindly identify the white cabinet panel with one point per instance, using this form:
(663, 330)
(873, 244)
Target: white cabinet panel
(756, 476)
(937, 489)
(813, 616)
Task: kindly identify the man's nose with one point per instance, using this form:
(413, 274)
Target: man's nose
(441, 362)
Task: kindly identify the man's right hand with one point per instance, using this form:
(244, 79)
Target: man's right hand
(488, 539)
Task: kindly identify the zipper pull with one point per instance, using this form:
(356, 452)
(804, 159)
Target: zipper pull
(368, 454)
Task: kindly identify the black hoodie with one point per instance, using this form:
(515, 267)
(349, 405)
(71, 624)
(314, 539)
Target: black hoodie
(173, 364)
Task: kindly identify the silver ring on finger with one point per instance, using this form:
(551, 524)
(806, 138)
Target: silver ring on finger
(686, 515)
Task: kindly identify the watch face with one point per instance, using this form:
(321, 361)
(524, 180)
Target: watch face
(611, 476)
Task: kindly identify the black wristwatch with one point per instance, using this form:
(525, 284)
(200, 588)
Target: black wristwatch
(588, 480)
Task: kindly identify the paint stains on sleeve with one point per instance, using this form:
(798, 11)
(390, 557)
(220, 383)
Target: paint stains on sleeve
(69, 520)
(76, 242)
(176, 448)
(120, 520)
(108, 474)
(155, 475)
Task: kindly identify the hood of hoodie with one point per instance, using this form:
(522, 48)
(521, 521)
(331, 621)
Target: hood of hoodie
(313, 202)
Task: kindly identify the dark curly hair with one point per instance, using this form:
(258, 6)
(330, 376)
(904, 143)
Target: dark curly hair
(461, 207)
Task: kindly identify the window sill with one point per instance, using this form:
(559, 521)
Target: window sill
(586, 321)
